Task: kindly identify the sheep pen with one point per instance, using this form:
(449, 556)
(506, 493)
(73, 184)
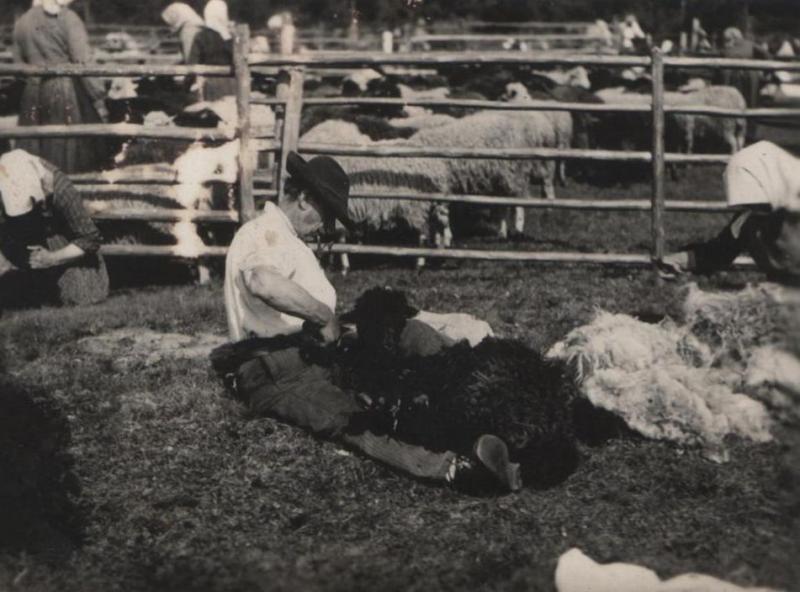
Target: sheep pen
(427, 220)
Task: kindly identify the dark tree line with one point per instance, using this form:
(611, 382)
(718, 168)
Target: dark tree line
(663, 17)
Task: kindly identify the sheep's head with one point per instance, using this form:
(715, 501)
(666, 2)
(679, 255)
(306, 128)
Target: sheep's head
(516, 92)
(579, 77)
(123, 88)
(380, 315)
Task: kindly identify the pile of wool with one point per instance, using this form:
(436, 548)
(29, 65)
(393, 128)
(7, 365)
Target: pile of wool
(658, 379)
(445, 401)
(38, 489)
(755, 332)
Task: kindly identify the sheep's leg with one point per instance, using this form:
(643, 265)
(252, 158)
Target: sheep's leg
(548, 187)
(561, 172)
(203, 274)
(741, 135)
(423, 241)
(519, 220)
(447, 237)
(503, 230)
(344, 258)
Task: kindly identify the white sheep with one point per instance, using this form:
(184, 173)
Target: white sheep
(516, 92)
(493, 129)
(730, 129)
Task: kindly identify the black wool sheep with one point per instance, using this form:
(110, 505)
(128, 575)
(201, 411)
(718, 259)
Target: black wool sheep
(38, 513)
(448, 399)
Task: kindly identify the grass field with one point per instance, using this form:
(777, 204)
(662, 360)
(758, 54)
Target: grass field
(183, 492)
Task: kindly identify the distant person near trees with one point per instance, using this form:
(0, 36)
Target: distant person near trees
(213, 45)
(50, 34)
(185, 23)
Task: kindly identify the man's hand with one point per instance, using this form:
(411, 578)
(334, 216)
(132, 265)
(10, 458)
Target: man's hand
(41, 258)
(674, 264)
(331, 331)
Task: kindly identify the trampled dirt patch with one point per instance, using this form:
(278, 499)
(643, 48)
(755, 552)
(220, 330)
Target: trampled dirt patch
(138, 347)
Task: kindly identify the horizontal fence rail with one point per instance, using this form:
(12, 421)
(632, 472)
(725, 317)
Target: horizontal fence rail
(355, 59)
(122, 70)
(476, 153)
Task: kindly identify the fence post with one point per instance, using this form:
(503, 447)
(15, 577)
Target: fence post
(241, 50)
(290, 90)
(657, 208)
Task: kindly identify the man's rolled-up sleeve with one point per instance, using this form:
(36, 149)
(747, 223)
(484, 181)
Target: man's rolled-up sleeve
(722, 250)
(81, 229)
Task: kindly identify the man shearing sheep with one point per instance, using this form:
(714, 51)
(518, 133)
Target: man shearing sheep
(762, 183)
(277, 295)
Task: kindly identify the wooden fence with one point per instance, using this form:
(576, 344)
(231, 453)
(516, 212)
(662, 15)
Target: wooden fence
(290, 102)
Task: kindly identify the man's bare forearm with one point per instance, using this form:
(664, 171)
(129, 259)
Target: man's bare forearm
(286, 296)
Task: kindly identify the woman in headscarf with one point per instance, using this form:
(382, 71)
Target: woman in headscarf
(185, 23)
(46, 233)
(49, 34)
(213, 45)
(747, 81)
(762, 183)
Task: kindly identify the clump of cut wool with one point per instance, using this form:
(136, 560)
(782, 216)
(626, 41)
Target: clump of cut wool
(659, 380)
(620, 341)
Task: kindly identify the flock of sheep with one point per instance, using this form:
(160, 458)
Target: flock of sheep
(200, 170)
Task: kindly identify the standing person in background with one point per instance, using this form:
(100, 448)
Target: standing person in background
(49, 34)
(747, 81)
(185, 23)
(213, 45)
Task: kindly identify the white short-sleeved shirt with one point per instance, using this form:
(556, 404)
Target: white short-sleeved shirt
(269, 241)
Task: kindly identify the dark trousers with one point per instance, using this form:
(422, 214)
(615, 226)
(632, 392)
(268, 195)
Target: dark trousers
(281, 384)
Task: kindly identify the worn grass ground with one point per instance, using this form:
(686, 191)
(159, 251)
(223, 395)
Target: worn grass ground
(182, 492)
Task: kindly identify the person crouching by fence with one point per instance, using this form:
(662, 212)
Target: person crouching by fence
(50, 34)
(762, 182)
(280, 309)
(48, 242)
